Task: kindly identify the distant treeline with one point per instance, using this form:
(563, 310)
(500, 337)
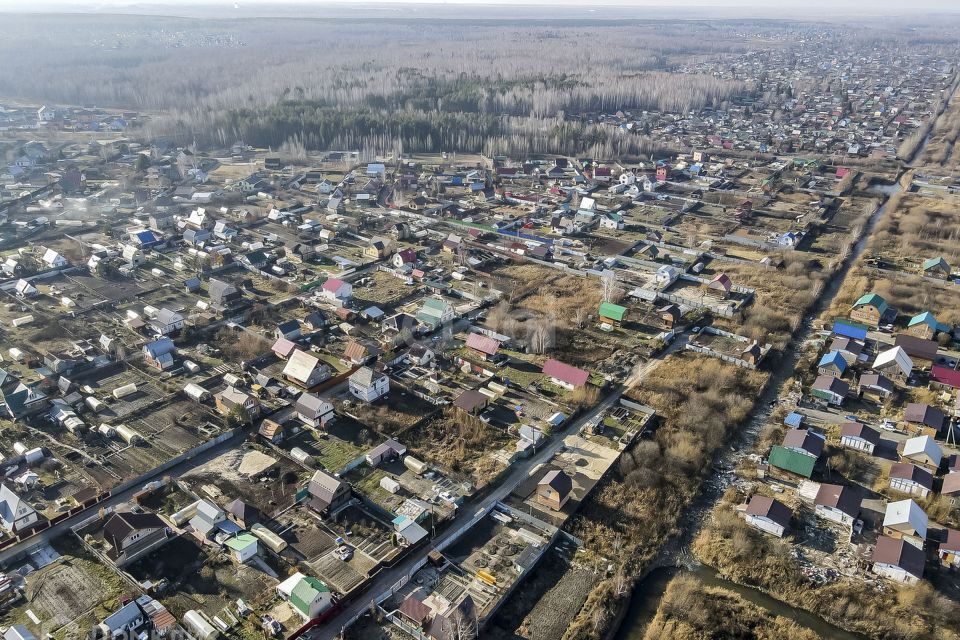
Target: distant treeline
(316, 126)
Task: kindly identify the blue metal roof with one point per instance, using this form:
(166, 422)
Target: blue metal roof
(849, 330)
(833, 358)
(793, 419)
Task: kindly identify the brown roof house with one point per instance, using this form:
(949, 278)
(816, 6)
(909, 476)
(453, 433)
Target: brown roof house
(232, 398)
(132, 535)
(926, 419)
(327, 492)
(837, 503)
(554, 489)
(898, 560)
(245, 515)
(875, 387)
(854, 435)
(951, 487)
(768, 515)
(949, 551)
(911, 479)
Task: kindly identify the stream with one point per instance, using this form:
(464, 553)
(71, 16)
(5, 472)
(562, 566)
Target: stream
(646, 599)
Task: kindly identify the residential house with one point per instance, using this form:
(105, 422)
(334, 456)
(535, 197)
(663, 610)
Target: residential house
(804, 441)
(849, 349)
(854, 435)
(337, 290)
(209, 518)
(361, 352)
(408, 531)
(306, 369)
(327, 492)
(669, 316)
(24, 289)
(905, 520)
(133, 535)
(949, 551)
(232, 398)
(368, 385)
(612, 314)
(289, 329)
(482, 346)
(313, 410)
(768, 515)
(924, 326)
(435, 313)
(911, 479)
(307, 596)
(565, 375)
(378, 249)
(166, 322)
(875, 386)
(869, 309)
(936, 268)
(386, 451)
(242, 548)
(830, 389)
(554, 489)
(18, 632)
(404, 258)
(282, 348)
(471, 401)
(894, 363)
(272, 431)
(922, 450)
(951, 487)
(921, 352)
(16, 514)
(243, 514)
(223, 295)
(721, 284)
(832, 364)
(53, 260)
(837, 503)
(898, 560)
(124, 622)
(925, 419)
(944, 378)
(159, 353)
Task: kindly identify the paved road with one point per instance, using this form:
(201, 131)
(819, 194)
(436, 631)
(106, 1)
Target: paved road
(520, 471)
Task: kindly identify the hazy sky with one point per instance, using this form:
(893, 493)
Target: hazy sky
(812, 9)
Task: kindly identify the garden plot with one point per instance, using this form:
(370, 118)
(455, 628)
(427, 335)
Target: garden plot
(338, 574)
(74, 592)
(257, 476)
(303, 530)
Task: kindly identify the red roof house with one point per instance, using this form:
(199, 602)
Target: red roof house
(565, 375)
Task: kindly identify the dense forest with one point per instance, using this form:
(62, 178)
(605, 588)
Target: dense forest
(382, 85)
(494, 87)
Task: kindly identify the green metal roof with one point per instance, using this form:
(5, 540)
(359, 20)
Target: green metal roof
(241, 541)
(792, 461)
(872, 299)
(930, 263)
(612, 311)
(306, 592)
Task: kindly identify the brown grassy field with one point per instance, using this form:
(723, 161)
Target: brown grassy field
(896, 613)
(691, 611)
(629, 517)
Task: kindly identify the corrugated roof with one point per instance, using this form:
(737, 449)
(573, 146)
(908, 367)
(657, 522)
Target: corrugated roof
(792, 461)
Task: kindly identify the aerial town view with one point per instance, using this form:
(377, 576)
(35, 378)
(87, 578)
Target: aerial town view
(387, 320)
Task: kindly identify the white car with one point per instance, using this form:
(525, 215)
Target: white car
(889, 425)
